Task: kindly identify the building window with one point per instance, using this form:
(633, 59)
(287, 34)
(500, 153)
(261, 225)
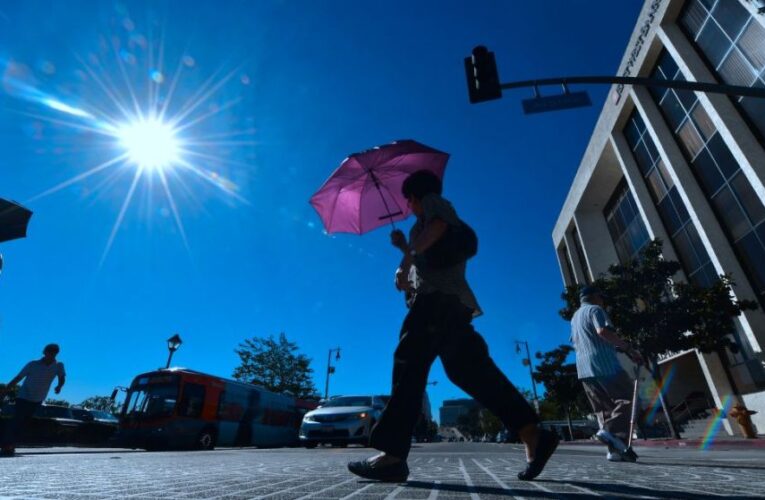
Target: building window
(689, 248)
(566, 265)
(732, 42)
(625, 224)
(739, 209)
(580, 256)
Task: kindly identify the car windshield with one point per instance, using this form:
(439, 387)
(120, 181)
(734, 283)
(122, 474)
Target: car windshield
(53, 412)
(151, 400)
(80, 414)
(102, 415)
(348, 401)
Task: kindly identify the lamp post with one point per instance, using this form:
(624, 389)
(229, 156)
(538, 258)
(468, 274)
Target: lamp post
(330, 368)
(527, 362)
(173, 343)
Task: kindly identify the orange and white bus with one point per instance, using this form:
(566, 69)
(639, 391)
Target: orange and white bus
(179, 408)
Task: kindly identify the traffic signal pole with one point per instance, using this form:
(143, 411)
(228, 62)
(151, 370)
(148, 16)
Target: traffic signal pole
(484, 85)
(712, 88)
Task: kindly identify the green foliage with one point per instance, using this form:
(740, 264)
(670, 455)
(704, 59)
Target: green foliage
(469, 423)
(57, 402)
(654, 312)
(711, 311)
(275, 365)
(562, 386)
(490, 423)
(101, 403)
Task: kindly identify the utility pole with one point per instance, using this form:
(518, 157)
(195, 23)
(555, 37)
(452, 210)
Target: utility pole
(330, 369)
(527, 362)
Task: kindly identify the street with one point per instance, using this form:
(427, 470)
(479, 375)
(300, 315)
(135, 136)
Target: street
(444, 470)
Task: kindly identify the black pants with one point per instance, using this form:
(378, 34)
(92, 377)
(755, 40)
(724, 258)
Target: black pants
(24, 409)
(439, 325)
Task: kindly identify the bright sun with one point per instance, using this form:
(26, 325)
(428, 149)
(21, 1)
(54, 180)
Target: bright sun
(150, 143)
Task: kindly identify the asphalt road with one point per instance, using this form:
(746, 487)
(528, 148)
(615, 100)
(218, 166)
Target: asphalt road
(444, 470)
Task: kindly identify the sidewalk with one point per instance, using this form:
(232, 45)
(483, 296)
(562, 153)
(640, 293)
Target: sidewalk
(717, 444)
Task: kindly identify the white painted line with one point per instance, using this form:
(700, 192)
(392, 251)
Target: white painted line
(395, 492)
(468, 481)
(359, 491)
(495, 478)
(290, 489)
(584, 490)
(431, 460)
(434, 492)
(326, 489)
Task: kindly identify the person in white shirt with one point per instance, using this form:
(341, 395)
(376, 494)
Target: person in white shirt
(38, 375)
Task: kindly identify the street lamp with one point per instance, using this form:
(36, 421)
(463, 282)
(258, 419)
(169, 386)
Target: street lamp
(173, 343)
(527, 362)
(330, 368)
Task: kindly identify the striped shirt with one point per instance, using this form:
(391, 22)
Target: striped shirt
(37, 379)
(594, 356)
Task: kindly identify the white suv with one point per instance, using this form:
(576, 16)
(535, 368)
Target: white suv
(342, 420)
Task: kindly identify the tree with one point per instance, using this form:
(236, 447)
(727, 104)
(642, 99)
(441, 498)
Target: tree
(490, 423)
(101, 403)
(275, 365)
(711, 311)
(57, 402)
(658, 314)
(469, 423)
(560, 380)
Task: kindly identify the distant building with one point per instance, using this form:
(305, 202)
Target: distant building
(687, 168)
(453, 408)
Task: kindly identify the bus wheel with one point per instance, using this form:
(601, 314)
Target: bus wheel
(206, 440)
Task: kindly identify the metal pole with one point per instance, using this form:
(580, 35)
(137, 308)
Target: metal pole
(531, 374)
(326, 386)
(711, 88)
(169, 358)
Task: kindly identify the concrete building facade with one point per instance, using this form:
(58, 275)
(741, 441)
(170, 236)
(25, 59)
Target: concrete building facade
(685, 167)
(452, 409)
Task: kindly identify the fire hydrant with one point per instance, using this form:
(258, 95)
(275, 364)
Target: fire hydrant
(744, 418)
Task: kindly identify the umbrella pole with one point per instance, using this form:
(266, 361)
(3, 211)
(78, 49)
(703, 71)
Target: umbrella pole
(389, 215)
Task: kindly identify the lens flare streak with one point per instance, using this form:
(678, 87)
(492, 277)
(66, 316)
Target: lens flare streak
(147, 136)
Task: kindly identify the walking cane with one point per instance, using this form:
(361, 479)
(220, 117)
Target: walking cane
(633, 417)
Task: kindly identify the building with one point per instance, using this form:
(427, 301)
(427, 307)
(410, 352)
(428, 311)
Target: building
(685, 167)
(451, 410)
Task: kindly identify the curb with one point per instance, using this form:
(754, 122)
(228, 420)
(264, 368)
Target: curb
(683, 443)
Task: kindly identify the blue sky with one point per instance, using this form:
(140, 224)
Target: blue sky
(310, 82)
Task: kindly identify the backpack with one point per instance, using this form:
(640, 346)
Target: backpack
(458, 244)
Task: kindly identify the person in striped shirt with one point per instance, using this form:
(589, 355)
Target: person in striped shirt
(38, 375)
(605, 382)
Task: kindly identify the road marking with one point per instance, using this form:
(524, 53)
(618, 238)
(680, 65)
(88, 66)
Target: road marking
(290, 489)
(495, 478)
(584, 490)
(431, 460)
(395, 492)
(327, 489)
(434, 492)
(359, 491)
(468, 481)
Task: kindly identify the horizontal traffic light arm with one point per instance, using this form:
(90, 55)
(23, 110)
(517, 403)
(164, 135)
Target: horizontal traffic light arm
(713, 88)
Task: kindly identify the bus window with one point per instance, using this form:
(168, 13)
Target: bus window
(152, 400)
(233, 403)
(192, 401)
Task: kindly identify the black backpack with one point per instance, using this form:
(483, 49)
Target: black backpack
(458, 244)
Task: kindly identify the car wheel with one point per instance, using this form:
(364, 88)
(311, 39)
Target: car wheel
(206, 440)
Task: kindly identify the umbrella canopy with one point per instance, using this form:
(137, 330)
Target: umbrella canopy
(364, 193)
(13, 220)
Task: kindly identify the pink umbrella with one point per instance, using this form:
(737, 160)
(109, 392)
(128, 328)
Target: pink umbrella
(364, 193)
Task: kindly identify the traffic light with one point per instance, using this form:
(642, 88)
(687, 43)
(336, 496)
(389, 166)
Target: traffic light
(482, 77)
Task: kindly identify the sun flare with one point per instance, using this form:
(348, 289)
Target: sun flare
(150, 144)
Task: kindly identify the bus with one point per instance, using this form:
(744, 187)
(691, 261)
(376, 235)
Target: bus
(177, 408)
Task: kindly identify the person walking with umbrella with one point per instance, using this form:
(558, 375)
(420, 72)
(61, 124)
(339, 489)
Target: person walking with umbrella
(438, 324)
